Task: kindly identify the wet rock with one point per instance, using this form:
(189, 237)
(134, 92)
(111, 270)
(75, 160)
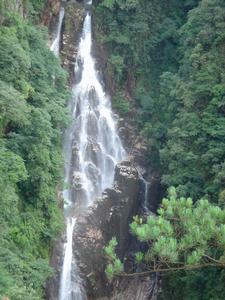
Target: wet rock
(77, 180)
(92, 125)
(52, 285)
(75, 148)
(93, 173)
(93, 152)
(109, 216)
(92, 98)
(72, 27)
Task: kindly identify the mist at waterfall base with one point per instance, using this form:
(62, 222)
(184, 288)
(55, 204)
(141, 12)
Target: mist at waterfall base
(92, 148)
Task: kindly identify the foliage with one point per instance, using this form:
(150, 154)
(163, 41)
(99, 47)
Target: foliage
(173, 51)
(32, 116)
(183, 236)
(116, 265)
(169, 55)
(196, 284)
(196, 137)
(120, 103)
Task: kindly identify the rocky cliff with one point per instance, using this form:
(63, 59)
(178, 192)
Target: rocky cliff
(50, 13)
(109, 216)
(72, 26)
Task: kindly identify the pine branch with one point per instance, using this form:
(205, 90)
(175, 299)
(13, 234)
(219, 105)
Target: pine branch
(162, 270)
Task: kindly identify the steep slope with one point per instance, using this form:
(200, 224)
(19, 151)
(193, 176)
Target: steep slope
(32, 115)
(165, 60)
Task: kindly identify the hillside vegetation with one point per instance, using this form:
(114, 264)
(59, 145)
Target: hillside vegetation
(169, 57)
(32, 114)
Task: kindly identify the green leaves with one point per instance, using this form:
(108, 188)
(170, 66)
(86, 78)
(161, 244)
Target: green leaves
(109, 3)
(139, 257)
(121, 104)
(184, 235)
(195, 257)
(116, 266)
(166, 249)
(32, 117)
(194, 152)
(180, 227)
(12, 168)
(173, 66)
(13, 107)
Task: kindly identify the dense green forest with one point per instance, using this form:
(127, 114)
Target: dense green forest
(168, 56)
(32, 114)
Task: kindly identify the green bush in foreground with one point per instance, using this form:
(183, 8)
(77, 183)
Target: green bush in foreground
(183, 236)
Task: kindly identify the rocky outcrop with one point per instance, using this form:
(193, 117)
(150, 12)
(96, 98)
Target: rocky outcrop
(50, 13)
(133, 141)
(137, 148)
(72, 27)
(109, 216)
(138, 288)
(52, 285)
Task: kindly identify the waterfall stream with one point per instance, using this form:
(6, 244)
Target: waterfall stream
(146, 192)
(92, 148)
(56, 42)
(146, 187)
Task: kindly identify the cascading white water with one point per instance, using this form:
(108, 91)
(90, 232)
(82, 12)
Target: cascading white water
(92, 148)
(66, 282)
(146, 184)
(56, 43)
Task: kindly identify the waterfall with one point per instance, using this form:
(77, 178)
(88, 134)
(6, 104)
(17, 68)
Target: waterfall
(66, 271)
(145, 184)
(92, 148)
(56, 42)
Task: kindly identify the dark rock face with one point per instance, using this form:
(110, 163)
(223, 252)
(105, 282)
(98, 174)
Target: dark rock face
(136, 147)
(72, 27)
(50, 12)
(109, 216)
(52, 285)
(138, 288)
